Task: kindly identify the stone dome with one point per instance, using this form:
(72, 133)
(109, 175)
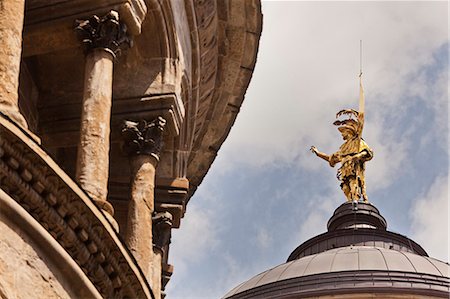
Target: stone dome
(351, 269)
(356, 257)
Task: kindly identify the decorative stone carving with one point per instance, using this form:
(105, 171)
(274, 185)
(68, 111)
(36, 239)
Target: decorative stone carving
(105, 33)
(143, 138)
(162, 228)
(32, 179)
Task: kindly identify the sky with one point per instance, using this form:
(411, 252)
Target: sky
(266, 193)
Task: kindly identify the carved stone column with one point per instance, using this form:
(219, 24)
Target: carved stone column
(104, 38)
(11, 25)
(162, 230)
(142, 142)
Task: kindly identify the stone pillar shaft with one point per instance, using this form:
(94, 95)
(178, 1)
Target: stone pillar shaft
(156, 273)
(162, 231)
(11, 26)
(143, 142)
(104, 38)
(93, 150)
(139, 229)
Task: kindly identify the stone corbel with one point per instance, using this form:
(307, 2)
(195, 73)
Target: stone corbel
(170, 196)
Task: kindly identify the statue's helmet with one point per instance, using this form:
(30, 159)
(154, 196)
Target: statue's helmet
(347, 125)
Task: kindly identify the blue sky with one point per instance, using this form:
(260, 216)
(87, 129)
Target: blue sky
(266, 193)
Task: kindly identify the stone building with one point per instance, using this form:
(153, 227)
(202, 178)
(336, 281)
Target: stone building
(356, 258)
(111, 113)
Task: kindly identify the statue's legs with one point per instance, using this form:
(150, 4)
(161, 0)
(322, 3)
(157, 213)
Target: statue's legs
(363, 189)
(354, 189)
(346, 188)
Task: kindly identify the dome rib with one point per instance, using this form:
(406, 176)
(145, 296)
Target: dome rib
(332, 262)
(443, 274)
(285, 269)
(409, 260)
(307, 265)
(384, 258)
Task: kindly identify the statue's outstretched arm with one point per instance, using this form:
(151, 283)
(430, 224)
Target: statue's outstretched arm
(320, 154)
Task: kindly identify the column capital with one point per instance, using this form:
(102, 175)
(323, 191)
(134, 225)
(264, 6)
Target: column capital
(162, 229)
(105, 32)
(143, 138)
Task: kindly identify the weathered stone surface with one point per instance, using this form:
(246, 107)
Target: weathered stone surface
(93, 149)
(139, 228)
(24, 273)
(11, 23)
(143, 142)
(47, 194)
(162, 228)
(156, 273)
(239, 28)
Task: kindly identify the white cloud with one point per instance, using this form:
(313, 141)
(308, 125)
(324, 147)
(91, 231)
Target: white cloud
(307, 70)
(430, 224)
(319, 210)
(263, 238)
(198, 236)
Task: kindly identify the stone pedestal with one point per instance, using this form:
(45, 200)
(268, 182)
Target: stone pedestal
(11, 24)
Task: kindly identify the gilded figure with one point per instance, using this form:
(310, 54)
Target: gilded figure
(353, 153)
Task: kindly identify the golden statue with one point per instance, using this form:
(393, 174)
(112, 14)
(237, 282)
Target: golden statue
(353, 154)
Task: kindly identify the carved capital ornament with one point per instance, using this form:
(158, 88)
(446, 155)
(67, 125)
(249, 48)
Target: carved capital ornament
(143, 138)
(105, 32)
(162, 229)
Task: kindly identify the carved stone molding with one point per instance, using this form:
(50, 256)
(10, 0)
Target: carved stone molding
(32, 179)
(162, 229)
(143, 138)
(104, 33)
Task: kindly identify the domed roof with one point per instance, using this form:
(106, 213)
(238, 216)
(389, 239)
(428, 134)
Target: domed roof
(351, 269)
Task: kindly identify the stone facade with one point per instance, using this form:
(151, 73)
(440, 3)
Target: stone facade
(71, 74)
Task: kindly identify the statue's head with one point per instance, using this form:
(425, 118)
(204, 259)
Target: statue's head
(347, 132)
(348, 127)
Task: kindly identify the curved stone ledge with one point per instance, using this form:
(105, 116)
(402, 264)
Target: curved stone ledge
(231, 30)
(32, 261)
(34, 180)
